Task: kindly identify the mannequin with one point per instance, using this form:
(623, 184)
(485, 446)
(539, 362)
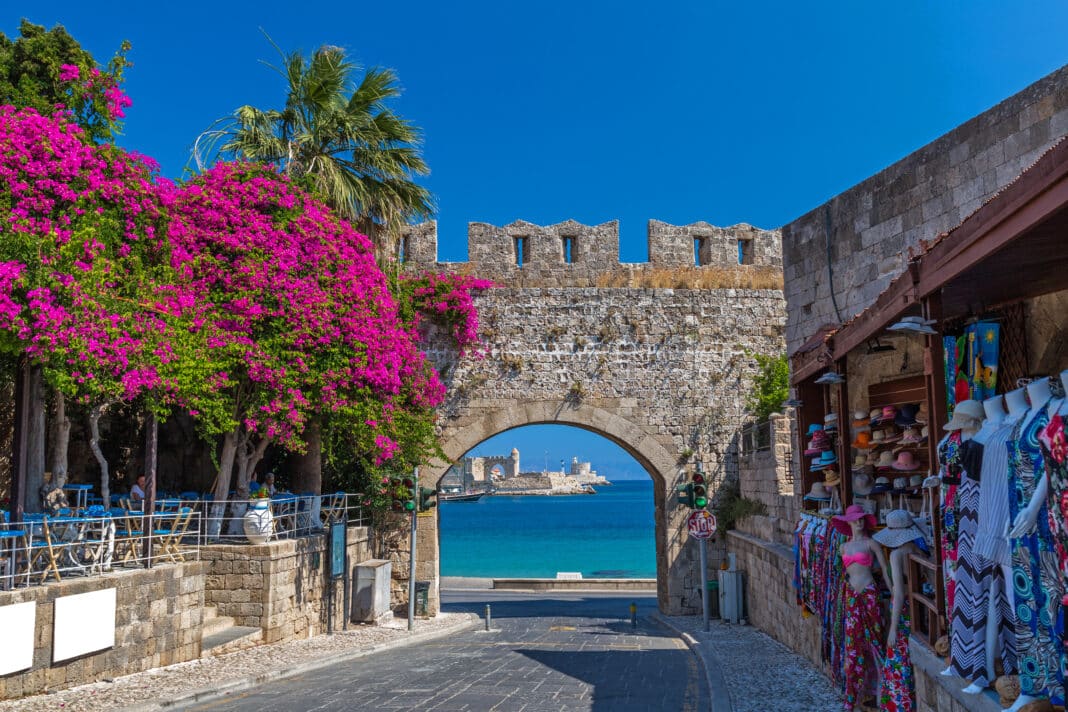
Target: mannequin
(863, 624)
(1016, 402)
(967, 626)
(1032, 551)
(897, 690)
(1054, 443)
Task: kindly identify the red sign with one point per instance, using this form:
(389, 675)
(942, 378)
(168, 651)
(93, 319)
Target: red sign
(702, 524)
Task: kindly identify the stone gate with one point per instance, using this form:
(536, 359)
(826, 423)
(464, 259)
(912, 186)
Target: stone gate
(654, 356)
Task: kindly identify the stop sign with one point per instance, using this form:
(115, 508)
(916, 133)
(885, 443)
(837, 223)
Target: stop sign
(702, 524)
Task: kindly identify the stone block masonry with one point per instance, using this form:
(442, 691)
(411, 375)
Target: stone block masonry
(158, 621)
(866, 231)
(280, 587)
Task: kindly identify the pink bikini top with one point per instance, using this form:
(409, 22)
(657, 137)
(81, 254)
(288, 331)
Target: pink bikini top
(861, 557)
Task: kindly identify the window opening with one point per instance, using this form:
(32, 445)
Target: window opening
(522, 251)
(569, 249)
(402, 250)
(698, 251)
(745, 252)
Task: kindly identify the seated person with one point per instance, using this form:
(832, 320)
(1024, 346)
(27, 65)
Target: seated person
(137, 492)
(268, 482)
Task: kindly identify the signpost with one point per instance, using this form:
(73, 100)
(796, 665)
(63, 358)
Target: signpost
(702, 526)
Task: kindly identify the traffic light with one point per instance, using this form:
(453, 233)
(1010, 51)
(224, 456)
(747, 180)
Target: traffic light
(403, 490)
(684, 494)
(700, 491)
(427, 498)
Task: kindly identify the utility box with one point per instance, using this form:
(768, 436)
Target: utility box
(370, 592)
(731, 596)
(422, 597)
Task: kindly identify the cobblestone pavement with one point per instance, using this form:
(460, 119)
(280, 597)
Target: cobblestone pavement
(134, 691)
(756, 672)
(549, 652)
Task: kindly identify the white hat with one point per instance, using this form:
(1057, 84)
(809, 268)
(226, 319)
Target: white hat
(900, 529)
(915, 325)
(964, 413)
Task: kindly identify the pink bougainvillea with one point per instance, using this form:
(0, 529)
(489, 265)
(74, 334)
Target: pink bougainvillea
(447, 300)
(82, 246)
(293, 309)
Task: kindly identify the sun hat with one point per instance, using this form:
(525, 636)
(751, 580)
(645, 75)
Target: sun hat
(886, 460)
(921, 414)
(906, 462)
(853, 513)
(830, 377)
(924, 434)
(818, 492)
(861, 419)
(916, 481)
(827, 457)
(886, 415)
(890, 436)
(831, 478)
(874, 414)
(813, 428)
(830, 421)
(901, 484)
(914, 324)
(881, 485)
(863, 441)
(862, 483)
(860, 460)
(911, 436)
(814, 447)
(906, 415)
(964, 413)
(900, 529)
(878, 437)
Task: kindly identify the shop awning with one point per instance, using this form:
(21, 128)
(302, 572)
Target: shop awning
(1013, 247)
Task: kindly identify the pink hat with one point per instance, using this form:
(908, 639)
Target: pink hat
(853, 513)
(906, 462)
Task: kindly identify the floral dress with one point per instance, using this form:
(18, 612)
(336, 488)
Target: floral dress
(1054, 444)
(897, 690)
(863, 633)
(949, 457)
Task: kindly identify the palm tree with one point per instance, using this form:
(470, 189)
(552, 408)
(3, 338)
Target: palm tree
(356, 152)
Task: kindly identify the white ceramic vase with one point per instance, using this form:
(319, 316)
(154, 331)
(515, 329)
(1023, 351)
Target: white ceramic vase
(259, 524)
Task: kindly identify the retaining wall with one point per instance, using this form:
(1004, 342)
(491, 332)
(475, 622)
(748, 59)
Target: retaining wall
(158, 617)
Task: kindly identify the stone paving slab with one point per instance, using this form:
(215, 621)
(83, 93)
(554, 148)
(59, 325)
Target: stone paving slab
(176, 685)
(749, 671)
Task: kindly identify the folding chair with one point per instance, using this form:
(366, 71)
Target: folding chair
(128, 535)
(46, 548)
(171, 538)
(333, 507)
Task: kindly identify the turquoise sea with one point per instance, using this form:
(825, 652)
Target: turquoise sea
(605, 535)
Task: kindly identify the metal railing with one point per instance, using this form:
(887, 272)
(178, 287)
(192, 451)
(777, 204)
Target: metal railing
(43, 549)
(280, 517)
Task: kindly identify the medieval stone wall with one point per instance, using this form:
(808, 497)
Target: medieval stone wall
(865, 232)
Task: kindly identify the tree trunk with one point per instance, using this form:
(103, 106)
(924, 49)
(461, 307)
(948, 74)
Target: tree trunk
(308, 468)
(94, 444)
(36, 437)
(247, 457)
(222, 483)
(60, 440)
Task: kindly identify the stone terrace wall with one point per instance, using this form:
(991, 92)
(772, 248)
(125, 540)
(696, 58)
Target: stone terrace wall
(763, 476)
(928, 192)
(280, 587)
(157, 622)
(595, 250)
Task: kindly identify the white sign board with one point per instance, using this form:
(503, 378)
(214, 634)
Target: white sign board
(83, 623)
(17, 621)
(702, 524)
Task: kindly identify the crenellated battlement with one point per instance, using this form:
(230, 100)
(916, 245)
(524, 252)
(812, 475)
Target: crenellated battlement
(569, 251)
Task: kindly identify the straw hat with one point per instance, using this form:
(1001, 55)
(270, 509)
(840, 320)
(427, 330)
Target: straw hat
(818, 492)
(916, 481)
(911, 437)
(862, 483)
(921, 415)
(886, 460)
(861, 419)
(831, 478)
(900, 529)
(964, 414)
(886, 415)
(853, 513)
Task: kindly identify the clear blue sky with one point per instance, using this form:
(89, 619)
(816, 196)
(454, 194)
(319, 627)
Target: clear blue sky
(680, 111)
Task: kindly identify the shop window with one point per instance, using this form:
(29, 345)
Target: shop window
(568, 245)
(522, 250)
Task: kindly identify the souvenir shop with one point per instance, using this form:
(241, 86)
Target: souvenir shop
(936, 467)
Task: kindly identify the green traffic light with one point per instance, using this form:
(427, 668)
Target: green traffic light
(409, 506)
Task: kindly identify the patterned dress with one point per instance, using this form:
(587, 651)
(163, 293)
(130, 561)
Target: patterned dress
(977, 578)
(897, 689)
(1037, 586)
(949, 462)
(863, 636)
(1055, 455)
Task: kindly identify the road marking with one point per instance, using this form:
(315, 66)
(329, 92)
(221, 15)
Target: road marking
(561, 627)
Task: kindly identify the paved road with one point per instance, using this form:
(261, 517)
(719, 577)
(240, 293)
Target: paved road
(549, 652)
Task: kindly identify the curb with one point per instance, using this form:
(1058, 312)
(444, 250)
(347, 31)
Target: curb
(229, 687)
(719, 697)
